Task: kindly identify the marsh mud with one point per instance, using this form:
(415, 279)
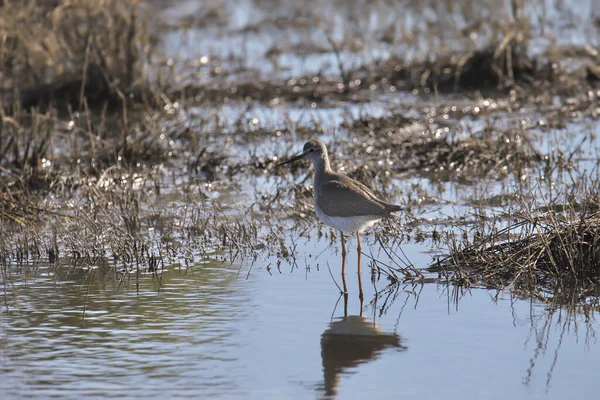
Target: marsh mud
(150, 244)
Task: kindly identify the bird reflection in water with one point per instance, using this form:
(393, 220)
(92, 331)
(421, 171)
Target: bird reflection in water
(348, 342)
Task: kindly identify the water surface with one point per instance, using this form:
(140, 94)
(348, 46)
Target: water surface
(215, 331)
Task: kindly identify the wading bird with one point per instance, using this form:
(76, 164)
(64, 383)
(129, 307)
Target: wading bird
(342, 202)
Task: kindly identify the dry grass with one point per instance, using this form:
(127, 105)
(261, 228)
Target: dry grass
(64, 65)
(71, 53)
(551, 252)
(112, 220)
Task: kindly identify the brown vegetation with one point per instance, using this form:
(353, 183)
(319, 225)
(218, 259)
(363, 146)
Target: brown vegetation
(551, 253)
(71, 53)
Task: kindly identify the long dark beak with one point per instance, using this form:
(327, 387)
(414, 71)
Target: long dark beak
(298, 157)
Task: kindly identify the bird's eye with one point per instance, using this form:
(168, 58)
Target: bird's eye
(312, 150)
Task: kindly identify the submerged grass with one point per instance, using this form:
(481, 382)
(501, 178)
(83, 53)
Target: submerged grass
(444, 154)
(504, 65)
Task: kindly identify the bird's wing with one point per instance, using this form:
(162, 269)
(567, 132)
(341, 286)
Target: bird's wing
(346, 199)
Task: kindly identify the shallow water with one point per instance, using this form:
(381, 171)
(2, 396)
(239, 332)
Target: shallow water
(263, 38)
(226, 331)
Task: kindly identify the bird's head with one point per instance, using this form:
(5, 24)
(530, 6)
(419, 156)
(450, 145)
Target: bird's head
(314, 151)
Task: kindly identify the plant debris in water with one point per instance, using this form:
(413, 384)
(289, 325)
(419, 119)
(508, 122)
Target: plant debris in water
(403, 146)
(553, 256)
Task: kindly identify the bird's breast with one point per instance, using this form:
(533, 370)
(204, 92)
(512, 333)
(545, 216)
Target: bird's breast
(346, 224)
